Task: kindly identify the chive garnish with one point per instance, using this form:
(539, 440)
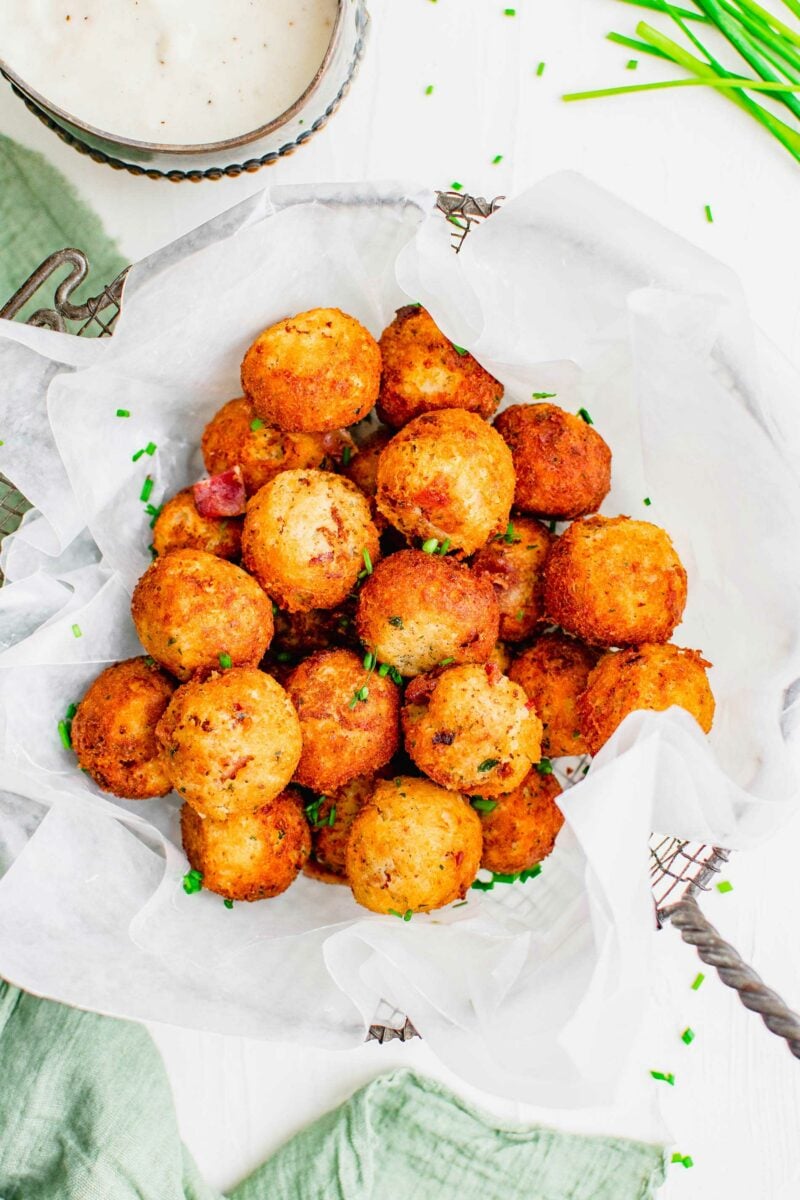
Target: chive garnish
(664, 1077)
(150, 448)
(396, 621)
(256, 424)
(445, 546)
(228, 903)
(456, 186)
(543, 395)
(488, 764)
(632, 64)
(369, 661)
(540, 69)
(70, 713)
(346, 455)
(685, 1160)
(123, 412)
(332, 817)
(697, 981)
(367, 560)
(192, 882)
(429, 90)
(724, 886)
(509, 12)
(498, 158)
(225, 661)
(709, 214)
(445, 662)
(429, 547)
(147, 488)
(687, 1037)
(312, 809)
(76, 631)
(482, 804)
(545, 767)
(460, 351)
(647, 501)
(585, 416)
(135, 457)
(64, 734)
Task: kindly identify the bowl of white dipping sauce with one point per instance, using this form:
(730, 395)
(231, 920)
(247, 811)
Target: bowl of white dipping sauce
(183, 89)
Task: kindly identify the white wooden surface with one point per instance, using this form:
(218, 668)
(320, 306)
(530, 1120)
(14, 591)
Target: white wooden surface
(735, 1106)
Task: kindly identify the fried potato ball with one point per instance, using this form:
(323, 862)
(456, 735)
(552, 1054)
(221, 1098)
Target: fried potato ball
(179, 526)
(314, 372)
(553, 674)
(331, 829)
(418, 609)
(114, 730)
(471, 729)
(447, 475)
(412, 847)
(362, 469)
(615, 582)
(652, 676)
(232, 741)
(563, 466)
(307, 536)
(349, 718)
(423, 371)
(513, 562)
(521, 830)
(249, 855)
(235, 436)
(190, 608)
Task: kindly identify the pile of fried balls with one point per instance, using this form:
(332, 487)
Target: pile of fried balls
(365, 641)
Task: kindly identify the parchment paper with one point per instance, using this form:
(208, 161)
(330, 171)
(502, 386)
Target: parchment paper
(531, 991)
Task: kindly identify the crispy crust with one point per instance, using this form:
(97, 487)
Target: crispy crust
(422, 371)
(317, 371)
(447, 474)
(329, 842)
(615, 582)
(179, 526)
(522, 829)
(190, 607)
(114, 730)
(515, 570)
(417, 609)
(563, 466)
(644, 677)
(229, 440)
(252, 855)
(412, 846)
(304, 539)
(553, 674)
(232, 741)
(362, 470)
(342, 739)
(471, 729)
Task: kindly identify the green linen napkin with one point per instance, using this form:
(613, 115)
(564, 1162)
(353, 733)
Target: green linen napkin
(86, 1114)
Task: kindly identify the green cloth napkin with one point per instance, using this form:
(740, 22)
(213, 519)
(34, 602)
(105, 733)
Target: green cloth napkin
(86, 1114)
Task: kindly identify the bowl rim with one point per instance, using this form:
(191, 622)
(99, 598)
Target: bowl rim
(185, 149)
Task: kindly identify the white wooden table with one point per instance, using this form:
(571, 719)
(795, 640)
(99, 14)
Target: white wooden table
(735, 1106)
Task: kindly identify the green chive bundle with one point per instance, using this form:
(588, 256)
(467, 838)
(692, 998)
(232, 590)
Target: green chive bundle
(768, 50)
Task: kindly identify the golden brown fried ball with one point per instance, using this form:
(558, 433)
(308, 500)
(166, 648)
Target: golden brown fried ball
(418, 609)
(317, 371)
(513, 562)
(235, 436)
(471, 729)
(522, 829)
(447, 475)
(652, 676)
(190, 607)
(349, 717)
(553, 674)
(423, 371)
(412, 847)
(250, 855)
(114, 730)
(179, 526)
(361, 468)
(615, 582)
(232, 741)
(305, 538)
(331, 829)
(563, 466)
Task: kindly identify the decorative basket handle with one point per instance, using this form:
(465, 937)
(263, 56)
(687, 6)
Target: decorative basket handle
(754, 994)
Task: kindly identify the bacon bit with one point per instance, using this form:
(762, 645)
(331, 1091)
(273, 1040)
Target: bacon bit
(504, 770)
(325, 557)
(419, 689)
(458, 856)
(531, 706)
(237, 766)
(493, 673)
(221, 495)
(443, 737)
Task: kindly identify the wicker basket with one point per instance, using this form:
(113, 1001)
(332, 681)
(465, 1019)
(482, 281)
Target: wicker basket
(679, 870)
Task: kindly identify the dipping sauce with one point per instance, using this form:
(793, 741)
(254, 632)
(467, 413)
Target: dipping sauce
(182, 72)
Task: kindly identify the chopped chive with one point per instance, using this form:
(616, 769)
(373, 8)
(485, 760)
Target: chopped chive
(488, 764)
(709, 214)
(543, 395)
(429, 90)
(367, 560)
(445, 546)
(192, 882)
(461, 904)
(228, 903)
(392, 912)
(520, 614)
(347, 454)
(395, 676)
(150, 448)
(664, 1077)
(455, 221)
(397, 622)
(502, 877)
(445, 662)
(460, 351)
(456, 186)
(408, 914)
(256, 424)
(631, 64)
(724, 886)
(545, 767)
(685, 1160)
(482, 804)
(482, 885)
(509, 12)
(530, 872)
(540, 69)
(697, 981)
(64, 734)
(147, 488)
(687, 1036)
(312, 809)
(429, 547)
(225, 661)
(369, 661)
(332, 817)
(76, 631)
(647, 501)
(363, 693)
(383, 670)
(123, 412)
(498, 158)
(70, 713)
(135, 457)
(585, 415)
